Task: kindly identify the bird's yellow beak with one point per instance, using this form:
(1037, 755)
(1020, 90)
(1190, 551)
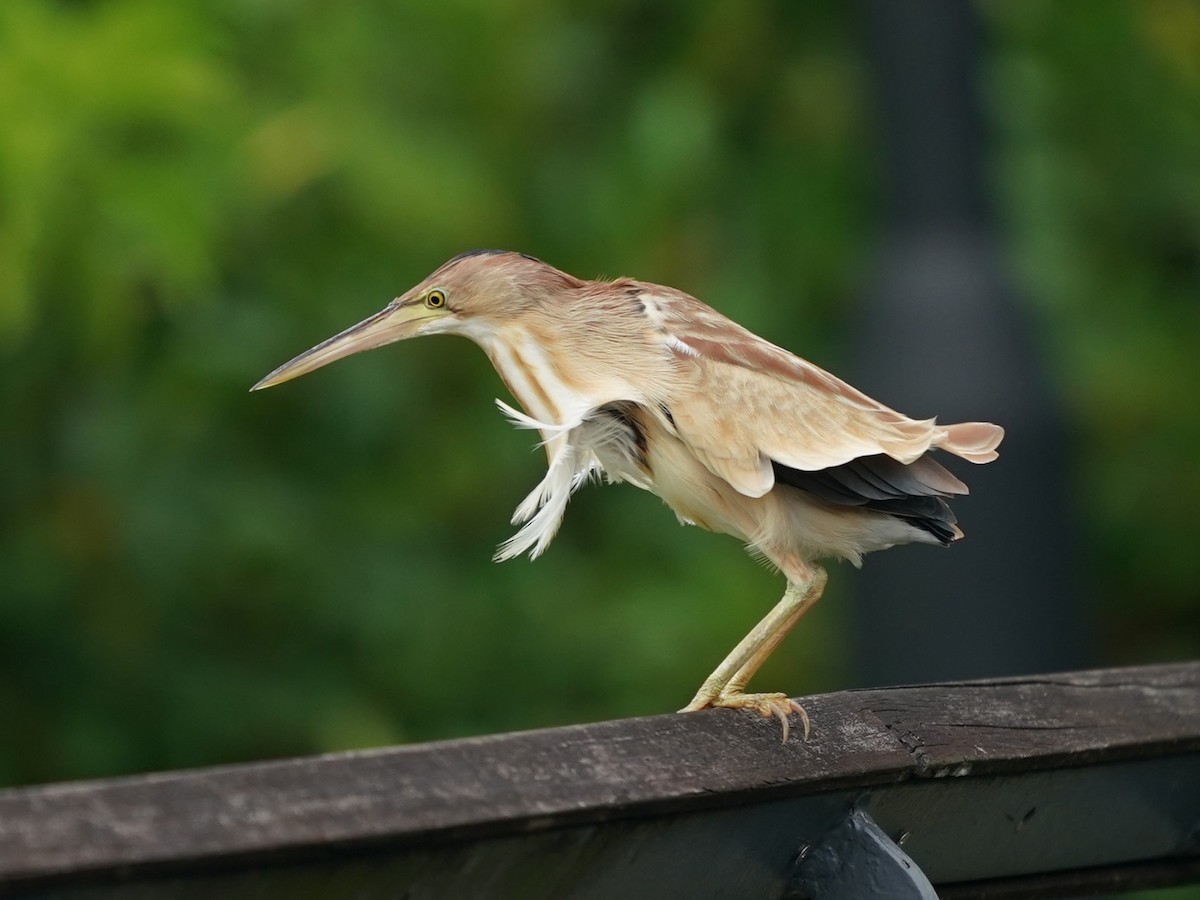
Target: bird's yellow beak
(392, 323)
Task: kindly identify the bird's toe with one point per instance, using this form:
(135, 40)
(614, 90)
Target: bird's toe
(778, 705)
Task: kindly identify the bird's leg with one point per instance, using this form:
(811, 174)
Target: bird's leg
(726, 685)
(811, 591)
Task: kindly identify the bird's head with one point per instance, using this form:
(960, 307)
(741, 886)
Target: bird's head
(473, 294)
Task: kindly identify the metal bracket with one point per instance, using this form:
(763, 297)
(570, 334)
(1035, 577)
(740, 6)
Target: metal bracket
(856, 860)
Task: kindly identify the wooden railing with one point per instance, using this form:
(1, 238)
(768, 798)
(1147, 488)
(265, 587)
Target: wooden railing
(1077, 783)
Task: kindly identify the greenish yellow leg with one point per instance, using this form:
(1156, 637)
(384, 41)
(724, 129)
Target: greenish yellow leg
(726, 685)
(810, 593)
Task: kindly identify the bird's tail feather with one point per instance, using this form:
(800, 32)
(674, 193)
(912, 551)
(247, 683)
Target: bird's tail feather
(973, 441)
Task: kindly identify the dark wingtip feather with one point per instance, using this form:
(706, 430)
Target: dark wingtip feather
(915, 492)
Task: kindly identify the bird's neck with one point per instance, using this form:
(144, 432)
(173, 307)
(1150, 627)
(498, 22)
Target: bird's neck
(557, 377)
(535, 374)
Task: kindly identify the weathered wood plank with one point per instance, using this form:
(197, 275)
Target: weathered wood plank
(603, 785)
(523, 781)
(1074, 717)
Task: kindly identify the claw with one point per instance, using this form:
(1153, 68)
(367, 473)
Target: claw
(783, 720)
(803, 714)
(778, 705)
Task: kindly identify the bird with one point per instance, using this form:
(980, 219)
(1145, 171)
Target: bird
(642, 383)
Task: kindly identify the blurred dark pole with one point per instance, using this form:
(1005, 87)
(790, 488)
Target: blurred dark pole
(941, 331)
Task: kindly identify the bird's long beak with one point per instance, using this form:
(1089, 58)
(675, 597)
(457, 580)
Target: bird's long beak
(390, 324)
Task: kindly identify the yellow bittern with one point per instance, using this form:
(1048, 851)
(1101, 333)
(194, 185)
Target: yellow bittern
(646, 384)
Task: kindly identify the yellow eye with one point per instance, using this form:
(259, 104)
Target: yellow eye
(435, 299)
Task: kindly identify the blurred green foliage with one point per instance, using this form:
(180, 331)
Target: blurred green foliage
(191, 193)
(1099, 180)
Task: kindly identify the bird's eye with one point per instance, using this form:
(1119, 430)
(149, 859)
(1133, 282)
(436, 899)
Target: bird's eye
(435, 299)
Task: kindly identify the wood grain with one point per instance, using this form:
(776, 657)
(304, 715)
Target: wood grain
(588, 775)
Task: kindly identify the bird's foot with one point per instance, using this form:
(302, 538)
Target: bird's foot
(778, 705)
